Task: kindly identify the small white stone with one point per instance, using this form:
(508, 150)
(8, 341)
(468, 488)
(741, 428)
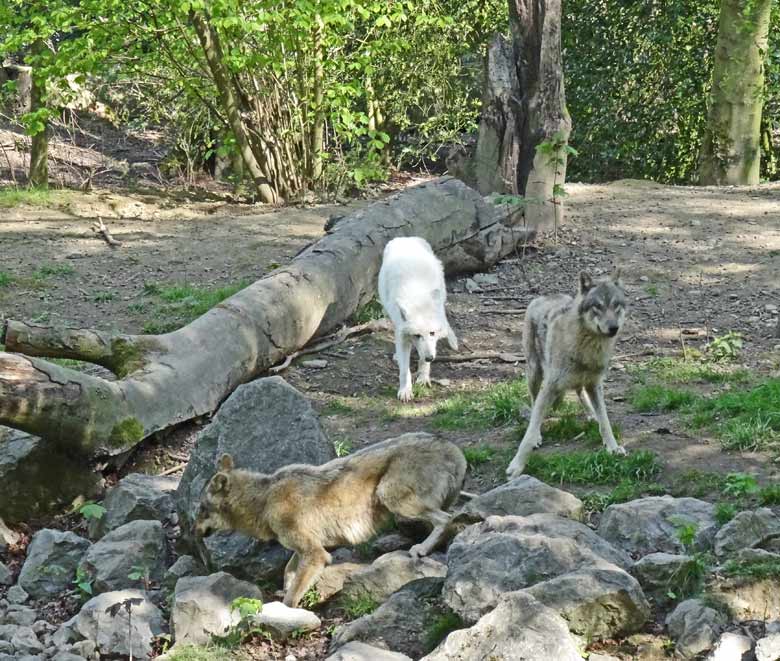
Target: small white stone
(644, 278)
(317, 364)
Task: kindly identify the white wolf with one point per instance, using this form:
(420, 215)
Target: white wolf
(412, 292)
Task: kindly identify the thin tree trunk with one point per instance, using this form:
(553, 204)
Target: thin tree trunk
(731, 150)
(523, 107)
(318, 97)
(209, 41)
(166, 379)
(39, 147)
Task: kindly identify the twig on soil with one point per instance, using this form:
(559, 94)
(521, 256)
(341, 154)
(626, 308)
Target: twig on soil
(336, 338)
(489, 311)
(100, 228)
(173, 469)
(486, 355)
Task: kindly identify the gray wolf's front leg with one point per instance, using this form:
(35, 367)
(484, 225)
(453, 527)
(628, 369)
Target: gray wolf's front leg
(533, 435)
(596, 394)
(403, 350)
(439, 519)
(310, 566)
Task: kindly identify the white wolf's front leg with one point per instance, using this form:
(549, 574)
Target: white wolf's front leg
(424, 373)
(452, 340)
(596, 394)
(403, 350)
(533, 435)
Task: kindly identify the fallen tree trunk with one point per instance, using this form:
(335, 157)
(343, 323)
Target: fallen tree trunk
(167, 379)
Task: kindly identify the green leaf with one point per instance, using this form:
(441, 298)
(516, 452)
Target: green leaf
(90, 510)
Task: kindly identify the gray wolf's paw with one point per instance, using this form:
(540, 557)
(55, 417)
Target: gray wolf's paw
(405, 394)
(417, 551)
(618, 449)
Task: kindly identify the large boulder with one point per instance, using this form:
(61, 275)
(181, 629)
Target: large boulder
(747, 530)
(387, 574)
(518, 629)
(695, 627)
(768, 648)
(732, 646)
(652, 525)
(265, 424)
(203, 606)
(504, 554)
(52, 558)
(748, 598)
(38, 479)
(105, 621)
(357, 651)
(664, 576)
(136, 547)
(522, 496)
(136, 497)
(405, 623)
(597, 603)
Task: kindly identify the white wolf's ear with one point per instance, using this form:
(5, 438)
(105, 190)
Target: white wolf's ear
(404, 315)
(225, 463)
(219, 483)
(586, 282)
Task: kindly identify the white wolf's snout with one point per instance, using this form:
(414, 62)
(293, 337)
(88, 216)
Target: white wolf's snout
(413, 294)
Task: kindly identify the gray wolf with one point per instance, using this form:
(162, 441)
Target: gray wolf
(344, 501)
(568, 346)
(413, 294)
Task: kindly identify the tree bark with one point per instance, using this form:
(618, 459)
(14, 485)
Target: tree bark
(39, 145)
(317, 134)
(166, 379)
(212, 49)
(731, 150)
(524, 106)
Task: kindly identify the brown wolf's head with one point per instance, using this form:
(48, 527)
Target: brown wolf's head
(215, 503)
(602, 303)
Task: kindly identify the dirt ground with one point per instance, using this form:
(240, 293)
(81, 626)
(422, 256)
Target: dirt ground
(697, 262)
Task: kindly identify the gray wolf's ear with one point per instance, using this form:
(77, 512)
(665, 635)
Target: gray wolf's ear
(617, 277)
(404, 315)
(219, 483)
(586, 282)
(225, 463)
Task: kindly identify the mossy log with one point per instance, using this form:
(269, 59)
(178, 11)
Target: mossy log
(166, 379)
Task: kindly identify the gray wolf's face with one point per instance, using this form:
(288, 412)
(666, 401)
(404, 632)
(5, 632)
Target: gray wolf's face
(603, 306)
(214, 503)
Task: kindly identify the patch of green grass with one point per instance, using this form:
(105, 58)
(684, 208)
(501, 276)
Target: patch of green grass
(6, 279)
(103, 297)
(724, 512)
(441, 626)
(209, 652)
(13, 197)
(769, 495)
(335, 407)
(570, 426)
(342, 446)
(369, 312)
(696, 483)
(355, 606)
(53, 270)
(739, 485)
(660, 398)
(596, 501)
(754, 569)
(679, 370)
(745, 419)
(180, 304)
(652, 290)
(476, 456)
(311, 598)
(497, 405)
(583, 467)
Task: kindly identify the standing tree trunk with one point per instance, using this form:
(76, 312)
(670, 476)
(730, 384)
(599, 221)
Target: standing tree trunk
(229, 100)
(39, 147)
(166, 379)
(731, 150)
(523, 115)
(317, 134)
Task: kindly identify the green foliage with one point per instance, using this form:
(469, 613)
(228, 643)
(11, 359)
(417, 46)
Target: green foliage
(6, 279)
(660, 398)
(246, 606)
(724, 512)
(103, 297)
(599, 467)
(355, 606)
(209, 652)
(342, 446)
(440, 627)
(476, 456)
(336, 407)
(369, 312)
(597, 501)
(724, 348)
(637, 81)
(680, 370)
(769, 495)
(753, 569)
(178, 305)
(497, 405)
(740, 484)
(91, 510)
(83, 581)
(13, 197)
(311, 598)
(53, 270)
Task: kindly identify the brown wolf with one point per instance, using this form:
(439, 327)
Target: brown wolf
(310, 508)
